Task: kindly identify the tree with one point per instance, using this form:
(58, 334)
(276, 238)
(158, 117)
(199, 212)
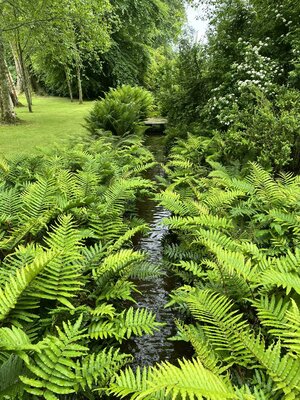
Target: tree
(7, 114)
(128, 31)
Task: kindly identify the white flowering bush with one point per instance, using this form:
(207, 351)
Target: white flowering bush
(255, 70)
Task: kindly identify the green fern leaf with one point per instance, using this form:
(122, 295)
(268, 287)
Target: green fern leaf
(61, 279)
(129, 322)
(18, 283)
(98, 369)
(10, 386)
(54, 368)
(188, 381)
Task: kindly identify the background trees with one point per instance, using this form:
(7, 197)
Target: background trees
(243, 84)
(81, 48)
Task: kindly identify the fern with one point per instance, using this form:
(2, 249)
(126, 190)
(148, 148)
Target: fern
(119, 290)
(10, 385)
(282, 317)
(223, 324)
(114, 263)
(54, 368)
(284, 371)
(18, 283)
(60, 280)
(121, 191)
(96, 370)
(128, 382)
(15, 339)
(271, 311)
(187, 381)
(128, 322)
(204, 352)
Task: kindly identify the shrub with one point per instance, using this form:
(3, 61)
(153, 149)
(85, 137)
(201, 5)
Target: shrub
(121, 111)
(263, 131)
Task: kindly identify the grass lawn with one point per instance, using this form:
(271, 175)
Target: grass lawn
(53, 119)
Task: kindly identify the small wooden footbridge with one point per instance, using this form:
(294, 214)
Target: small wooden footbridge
(156, 124)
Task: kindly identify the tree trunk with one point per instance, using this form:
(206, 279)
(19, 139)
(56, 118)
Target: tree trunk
(12, 88)
(19, 83)
(8, 115)
(24, 72)
(25, 79)
(69, 83)
(79, 83)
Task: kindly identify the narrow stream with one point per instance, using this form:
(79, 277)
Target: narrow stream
(149, 349)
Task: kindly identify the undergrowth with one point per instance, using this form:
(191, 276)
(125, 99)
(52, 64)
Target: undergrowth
(237, 254)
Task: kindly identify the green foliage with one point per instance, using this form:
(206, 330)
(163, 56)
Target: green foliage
(116, 45)
(54, 368)
(121, 111)
(122, 326)
(261, 131)
(183, 87)
(66, 226)
(241, 88)
(237, 253)
(190, 380)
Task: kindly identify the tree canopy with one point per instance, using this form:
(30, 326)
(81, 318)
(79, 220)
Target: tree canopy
(81, 48)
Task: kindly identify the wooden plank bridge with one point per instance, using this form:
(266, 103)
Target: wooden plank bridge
(156, 124)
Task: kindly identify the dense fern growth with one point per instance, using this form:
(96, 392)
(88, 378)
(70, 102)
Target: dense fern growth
(237, 254)
(66, 224)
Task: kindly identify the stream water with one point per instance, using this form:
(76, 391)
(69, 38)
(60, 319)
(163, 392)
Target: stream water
(149, 349)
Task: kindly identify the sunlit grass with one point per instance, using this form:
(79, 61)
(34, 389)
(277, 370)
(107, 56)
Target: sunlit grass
(53, 120)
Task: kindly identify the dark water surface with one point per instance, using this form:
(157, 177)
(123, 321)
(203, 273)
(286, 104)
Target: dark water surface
(150, 349)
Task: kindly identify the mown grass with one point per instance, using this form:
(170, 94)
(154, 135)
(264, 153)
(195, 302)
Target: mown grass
(53, 121)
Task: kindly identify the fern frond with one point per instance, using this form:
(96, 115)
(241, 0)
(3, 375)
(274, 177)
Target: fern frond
(129, 322)
(220, 198)
(54, 368)
(290, 331)
(104, 309)
(119, 290)
(19, 282)
(121, 191)
(179, 252)
(61, 279)
(223, 324)
(191, 223)
(265, 186)
(114, 263)
(92, 255)
(39, 197)
(284, 371)
(271, 311)
(128, 382)
(188, 381)
(98, 369)
(192, 267)
(10, 385)
(171, 201)
(210, 236)
(127, 236)
(106, 227)
(287, 280)
(15, 339)
(204, 352)
(10, 206)
(145, 270)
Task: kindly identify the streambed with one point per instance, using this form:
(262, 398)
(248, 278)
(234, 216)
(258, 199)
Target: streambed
(149, 349)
